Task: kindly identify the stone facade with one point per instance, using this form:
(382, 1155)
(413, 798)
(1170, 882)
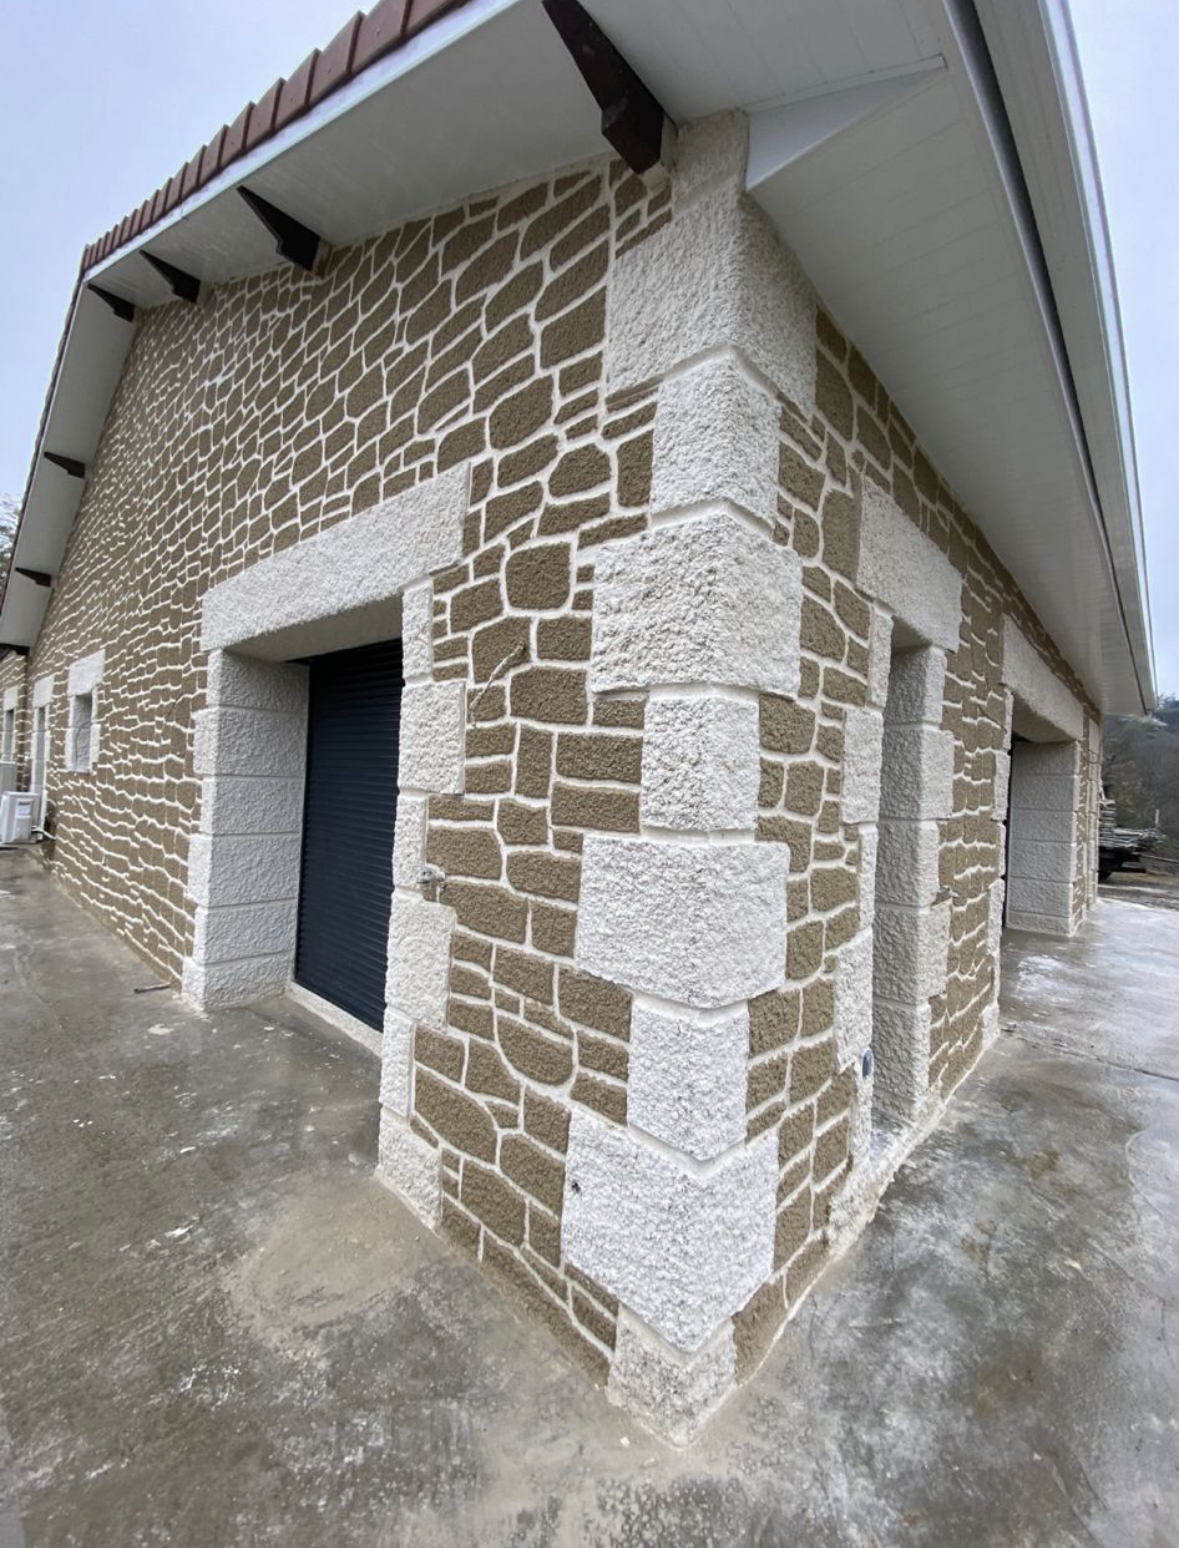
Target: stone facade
(710, 692)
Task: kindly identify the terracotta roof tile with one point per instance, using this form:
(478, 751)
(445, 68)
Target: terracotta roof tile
(358, 44)
(334, 64)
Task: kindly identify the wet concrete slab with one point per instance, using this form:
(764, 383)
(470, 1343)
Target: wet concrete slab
(216, 1328)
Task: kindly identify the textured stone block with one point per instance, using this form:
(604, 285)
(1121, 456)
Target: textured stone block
(853, 997)
(248, 741)
(224, 870)
(397, 1063)
(701, 924)
(410, 1167)
(409, 842)
(917, 687)
(702, 601)
(1037, 688)
(918, 774)
(687, 1079)
(417, 632)
(86, 674)
(1042, 824)
(709, 152)
(681, 1248)
(879, 657)
(716, 438)
(220, 985)
(911, 952)
(1045, 898)
(672, 1393)
(433, 720)
(241, 682)
(716, 277)
(419, 958)
(244, 930)
(328, 591)
(906, 572)
(1049, 860)
(701, 766)
(901, 1048)
(862, 752)
(907, 863)
(235, 803)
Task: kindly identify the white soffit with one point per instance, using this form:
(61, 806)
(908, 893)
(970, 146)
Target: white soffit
(905, 219)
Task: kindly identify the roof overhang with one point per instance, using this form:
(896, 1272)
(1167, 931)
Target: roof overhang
(977, 287)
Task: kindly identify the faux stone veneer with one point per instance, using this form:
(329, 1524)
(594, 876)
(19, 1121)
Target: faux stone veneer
(711, 690)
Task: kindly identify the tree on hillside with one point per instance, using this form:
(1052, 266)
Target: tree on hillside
(1141, 767)
(9, 515)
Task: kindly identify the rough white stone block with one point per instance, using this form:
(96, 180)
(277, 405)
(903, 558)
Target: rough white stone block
(701, 764)
(245, 930)
(684, 1249)
(86, 674)
(433, 720)
(417, 631)
(911, 952)
(1041, 792)
(709, 152)
(241, 682)
(996, 899)
(918, 778)
(246, 741)
(419, 958)
(1043, 825)
(716, 276)
(917, 687)
(716, 438)
(900, 1048)
(703, 601)
(229, 869)
(1050, 860)
(907, 864)
(409, 842)
(234, 803)
(397, 1063)
(869, 861)
(673, 1394)
(1048, 899)
(703, 924)
(43, 691)
(879, 657)
(1002, 783)
(1039, 691)
(410, 1167)
(853, 997)
(221, 985)
(12, 697)
(334, 590)
(907, 573)
(1060, 925)
(863, 735)
(861, 1114)
(687, 1079)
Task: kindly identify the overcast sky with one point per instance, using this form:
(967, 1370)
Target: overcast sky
(102, 103)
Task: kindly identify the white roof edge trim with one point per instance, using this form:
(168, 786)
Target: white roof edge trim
(433, 40)
(1062, 44)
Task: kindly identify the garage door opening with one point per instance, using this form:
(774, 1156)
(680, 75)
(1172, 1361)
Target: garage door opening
(349, 811)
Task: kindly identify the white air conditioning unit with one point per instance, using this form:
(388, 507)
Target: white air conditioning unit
(18, 815)
(8, 776)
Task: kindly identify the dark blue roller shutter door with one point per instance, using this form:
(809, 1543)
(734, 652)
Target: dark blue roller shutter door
(348, 815)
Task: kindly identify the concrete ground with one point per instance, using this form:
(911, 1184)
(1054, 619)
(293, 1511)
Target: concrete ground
(216, 1329)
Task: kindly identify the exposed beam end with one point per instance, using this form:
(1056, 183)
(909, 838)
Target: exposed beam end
(185, 286)
(295, 242)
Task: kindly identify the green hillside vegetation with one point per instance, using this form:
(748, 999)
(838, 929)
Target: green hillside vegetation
(1141, 768)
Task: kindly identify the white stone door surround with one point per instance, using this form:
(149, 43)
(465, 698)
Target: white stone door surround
(360, 581)
(1043, 854)
(899, 767)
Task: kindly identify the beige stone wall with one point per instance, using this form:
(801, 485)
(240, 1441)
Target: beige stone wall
(283, 404)
(12, 680)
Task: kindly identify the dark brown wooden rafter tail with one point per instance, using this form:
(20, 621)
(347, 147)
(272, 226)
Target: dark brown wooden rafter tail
(71, 465)
(183, 285)
(296, 242)
(632, 116)
(38, 577)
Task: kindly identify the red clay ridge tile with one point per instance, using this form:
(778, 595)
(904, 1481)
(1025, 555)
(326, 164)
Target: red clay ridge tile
(423, 12)
(235, 136)
(210, 158)
(380, 31)
(188, 178)
(293, 99)
(334, 64)
(261, 124)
